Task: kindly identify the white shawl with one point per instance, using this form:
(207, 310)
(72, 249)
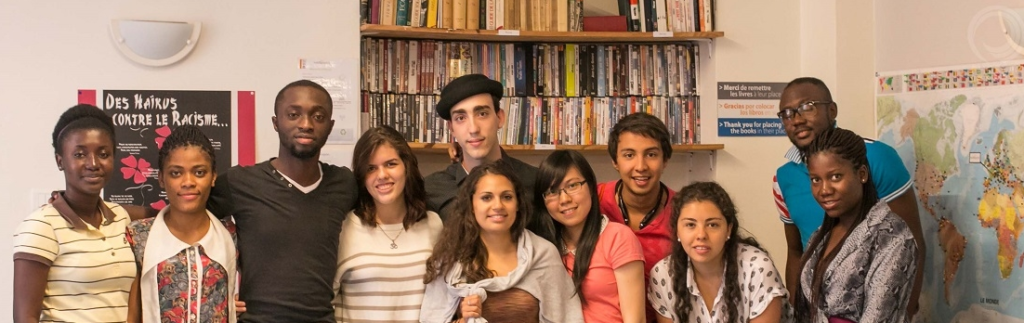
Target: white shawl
(162, 244)
(539, 271)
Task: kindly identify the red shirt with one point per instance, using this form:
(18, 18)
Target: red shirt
(655, 238)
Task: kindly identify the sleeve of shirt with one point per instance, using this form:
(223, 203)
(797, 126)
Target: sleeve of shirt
(220, 202)
(35, 240)
(780, 201)
(889, 278)
(764, 275)
(887, 171)
(659, 291)
(623, 246)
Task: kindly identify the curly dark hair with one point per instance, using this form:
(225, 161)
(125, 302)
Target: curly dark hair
(81, 117)
(414, 195)
(680, 264)
(460, 240)
(186, 136)
(644, 124)
(549, 176)
(846, 145)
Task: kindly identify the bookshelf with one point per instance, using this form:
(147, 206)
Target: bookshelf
(405, 32)
(442, 148)
(394, 96)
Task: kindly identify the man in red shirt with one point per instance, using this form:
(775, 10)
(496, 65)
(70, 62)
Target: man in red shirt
(640, 145)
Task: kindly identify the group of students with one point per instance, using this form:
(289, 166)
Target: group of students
(488, 239)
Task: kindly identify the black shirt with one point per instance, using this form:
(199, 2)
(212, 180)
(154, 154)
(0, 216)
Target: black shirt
(287, 239)
(442, 186)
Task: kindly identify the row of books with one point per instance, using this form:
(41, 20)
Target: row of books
(539, 120)
(669, 15)
(559, 70)
(533, 15)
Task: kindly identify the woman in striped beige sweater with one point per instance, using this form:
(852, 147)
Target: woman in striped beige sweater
(386, 240)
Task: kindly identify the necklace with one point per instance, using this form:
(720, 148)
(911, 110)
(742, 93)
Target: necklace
(650, 214)
(393, 244)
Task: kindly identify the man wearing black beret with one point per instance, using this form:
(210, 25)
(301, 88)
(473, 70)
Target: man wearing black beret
(470, 103)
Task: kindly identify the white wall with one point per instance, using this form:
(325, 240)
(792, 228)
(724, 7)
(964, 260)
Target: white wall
(762, 44)
(50, 50)
(777, 41)
(939, 33)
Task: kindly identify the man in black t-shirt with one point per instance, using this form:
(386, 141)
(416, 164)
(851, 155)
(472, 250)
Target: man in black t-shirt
(288, 211)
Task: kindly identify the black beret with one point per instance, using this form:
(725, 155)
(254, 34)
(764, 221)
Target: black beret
(463, 87)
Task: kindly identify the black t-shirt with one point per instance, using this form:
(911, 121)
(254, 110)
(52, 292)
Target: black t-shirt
(287, 239)
(442, 186)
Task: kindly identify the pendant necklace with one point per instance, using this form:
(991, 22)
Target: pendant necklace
(393, 244)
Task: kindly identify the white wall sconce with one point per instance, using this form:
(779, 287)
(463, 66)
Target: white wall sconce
(155, 43)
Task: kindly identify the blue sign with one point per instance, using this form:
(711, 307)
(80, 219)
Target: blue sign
(748, 109)
(743, 127)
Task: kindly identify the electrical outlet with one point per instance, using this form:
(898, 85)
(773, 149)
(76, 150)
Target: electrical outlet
(38, 198)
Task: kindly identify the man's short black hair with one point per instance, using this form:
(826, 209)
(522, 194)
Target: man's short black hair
(643, 124)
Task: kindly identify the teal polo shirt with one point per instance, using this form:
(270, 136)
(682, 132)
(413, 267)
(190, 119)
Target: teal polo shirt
(792, 189)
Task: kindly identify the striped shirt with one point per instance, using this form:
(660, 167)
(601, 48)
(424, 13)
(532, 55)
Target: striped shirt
(378, 283)
(91, 270)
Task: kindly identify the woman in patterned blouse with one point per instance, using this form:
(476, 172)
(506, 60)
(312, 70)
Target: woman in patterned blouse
(861, 265)
(186, 256)
(714, 274)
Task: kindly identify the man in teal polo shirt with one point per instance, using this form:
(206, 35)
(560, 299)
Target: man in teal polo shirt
(806, 109)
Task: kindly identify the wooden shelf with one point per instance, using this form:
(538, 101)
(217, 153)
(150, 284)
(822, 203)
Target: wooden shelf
(386, 31)
(442, 148)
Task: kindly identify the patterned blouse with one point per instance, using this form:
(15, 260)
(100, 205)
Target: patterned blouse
(191, 286)
(759, 281)
(870, 278)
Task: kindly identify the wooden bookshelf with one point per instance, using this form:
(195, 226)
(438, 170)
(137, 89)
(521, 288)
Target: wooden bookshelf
(442, 148)
(385, 31)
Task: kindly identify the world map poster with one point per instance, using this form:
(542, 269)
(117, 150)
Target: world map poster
(960, 132)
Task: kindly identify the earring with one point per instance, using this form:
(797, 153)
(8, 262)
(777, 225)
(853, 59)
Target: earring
(60, 168)
(864, 181)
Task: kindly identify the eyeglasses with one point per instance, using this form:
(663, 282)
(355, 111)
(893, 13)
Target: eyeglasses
(805, 109)
(570, 188)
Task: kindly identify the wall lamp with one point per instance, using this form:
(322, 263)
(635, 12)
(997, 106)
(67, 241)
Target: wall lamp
(155, 43)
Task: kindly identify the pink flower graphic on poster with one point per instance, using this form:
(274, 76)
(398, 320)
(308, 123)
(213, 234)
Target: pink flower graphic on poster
(158, 205)
(135, 169)
(161, 135)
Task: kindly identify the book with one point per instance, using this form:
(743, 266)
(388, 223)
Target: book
(472, 14)
(431, 14)
(605, 23)
(402, 13)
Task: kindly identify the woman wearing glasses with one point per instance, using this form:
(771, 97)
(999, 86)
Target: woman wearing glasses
(604, 258)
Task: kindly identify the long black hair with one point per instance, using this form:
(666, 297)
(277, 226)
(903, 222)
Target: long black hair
(549, 176)
(846, 145)
(680, 264)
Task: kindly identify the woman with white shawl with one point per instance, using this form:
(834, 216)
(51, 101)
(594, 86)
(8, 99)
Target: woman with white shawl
(186, 257)
(487, 267)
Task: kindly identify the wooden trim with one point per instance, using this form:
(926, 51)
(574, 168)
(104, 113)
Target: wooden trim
(442, 148)
(388, 31)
